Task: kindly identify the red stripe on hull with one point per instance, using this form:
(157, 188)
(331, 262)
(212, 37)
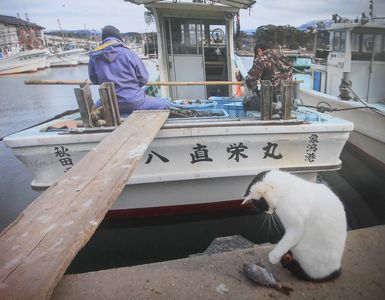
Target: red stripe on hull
(176, 210)
(16, 73)
(68, 65)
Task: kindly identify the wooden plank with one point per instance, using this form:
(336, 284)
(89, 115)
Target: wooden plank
(85, 104)
(114, 102)
(110, 105)
(36, 249)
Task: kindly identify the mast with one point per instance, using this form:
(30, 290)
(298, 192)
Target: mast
(62, 33)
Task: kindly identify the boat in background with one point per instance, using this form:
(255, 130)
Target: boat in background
(349, 82)
(301, 60)
(84, 58)
(65, 58)
(43, 63)
(24, 61)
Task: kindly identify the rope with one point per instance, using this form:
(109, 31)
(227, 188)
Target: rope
(299, 71)
(323, 106)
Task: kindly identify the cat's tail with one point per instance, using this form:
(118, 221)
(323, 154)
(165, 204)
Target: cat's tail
(283, 289)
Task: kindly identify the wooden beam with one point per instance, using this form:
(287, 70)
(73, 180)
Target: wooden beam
(54, 81)
(178, 83)
(110, 104)
(165, 83)
(85, 104)
(37, 248)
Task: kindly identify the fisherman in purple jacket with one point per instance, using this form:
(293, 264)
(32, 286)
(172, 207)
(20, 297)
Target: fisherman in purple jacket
(114, 62)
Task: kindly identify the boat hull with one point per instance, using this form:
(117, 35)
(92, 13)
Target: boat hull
(22, 62)
(65, 58)
(193, 166)
(368, 134)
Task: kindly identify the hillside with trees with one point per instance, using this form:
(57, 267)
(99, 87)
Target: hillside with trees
(276, 36)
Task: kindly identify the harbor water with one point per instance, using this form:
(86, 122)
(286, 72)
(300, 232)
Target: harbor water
(119, 243)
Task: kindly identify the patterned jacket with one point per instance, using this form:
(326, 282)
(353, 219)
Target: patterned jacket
(273, 66)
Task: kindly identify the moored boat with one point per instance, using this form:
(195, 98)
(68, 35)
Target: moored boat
(349, 83)
(43, 60)
(195, 163)
(65, 58)
(301, 61)
(24, 61)
(84, 58)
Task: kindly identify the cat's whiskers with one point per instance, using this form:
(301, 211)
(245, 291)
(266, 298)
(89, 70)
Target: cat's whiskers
(264, 221)
(269, 228)
(276, 222)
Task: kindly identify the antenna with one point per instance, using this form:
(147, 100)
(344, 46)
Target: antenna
(371, 9)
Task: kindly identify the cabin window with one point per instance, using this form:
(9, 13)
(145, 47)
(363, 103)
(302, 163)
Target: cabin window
(339, 41)
(365, 44)
(356, 42)
(186, 36)
(378, 43)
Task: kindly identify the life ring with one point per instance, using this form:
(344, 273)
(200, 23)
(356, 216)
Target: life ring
(218, 35)
(368, 43)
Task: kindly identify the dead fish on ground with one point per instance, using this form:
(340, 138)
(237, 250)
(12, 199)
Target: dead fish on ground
(260, 275)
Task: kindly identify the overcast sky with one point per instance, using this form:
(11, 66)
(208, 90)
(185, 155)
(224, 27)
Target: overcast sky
(78, 14)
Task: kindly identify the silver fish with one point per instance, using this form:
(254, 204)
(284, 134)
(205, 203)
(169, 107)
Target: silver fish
(260, 275)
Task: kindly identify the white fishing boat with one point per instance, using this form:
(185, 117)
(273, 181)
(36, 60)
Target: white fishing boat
(197, 163)
(43, 63)
(24, 61)
(355, 59)
(65, 58)
(84, 58)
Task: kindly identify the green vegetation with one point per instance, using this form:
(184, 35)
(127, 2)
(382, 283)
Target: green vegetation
(275, 36)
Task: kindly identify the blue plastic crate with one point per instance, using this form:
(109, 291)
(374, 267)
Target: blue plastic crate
(221, 101)
(308, 116)
(235, 109)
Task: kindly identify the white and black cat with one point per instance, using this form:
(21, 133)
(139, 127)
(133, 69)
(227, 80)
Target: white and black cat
(314, 221)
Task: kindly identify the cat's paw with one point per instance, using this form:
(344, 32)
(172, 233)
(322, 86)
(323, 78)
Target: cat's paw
(274, 258)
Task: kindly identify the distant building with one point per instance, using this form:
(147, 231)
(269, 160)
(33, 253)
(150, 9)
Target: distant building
(17, 34)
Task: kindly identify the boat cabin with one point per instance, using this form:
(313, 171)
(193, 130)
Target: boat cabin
(356, 53)
(195, 43)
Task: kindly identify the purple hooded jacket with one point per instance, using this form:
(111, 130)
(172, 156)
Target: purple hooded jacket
(118, 64)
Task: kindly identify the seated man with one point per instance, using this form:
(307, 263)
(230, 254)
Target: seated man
(114, 62)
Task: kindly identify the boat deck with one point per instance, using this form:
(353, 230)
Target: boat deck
(219, 276)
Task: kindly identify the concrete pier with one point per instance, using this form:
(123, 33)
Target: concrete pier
(219, 276)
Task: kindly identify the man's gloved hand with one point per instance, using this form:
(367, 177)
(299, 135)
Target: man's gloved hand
(238, 75)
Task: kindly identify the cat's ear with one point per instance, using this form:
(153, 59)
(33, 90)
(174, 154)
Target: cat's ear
(247, 199)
